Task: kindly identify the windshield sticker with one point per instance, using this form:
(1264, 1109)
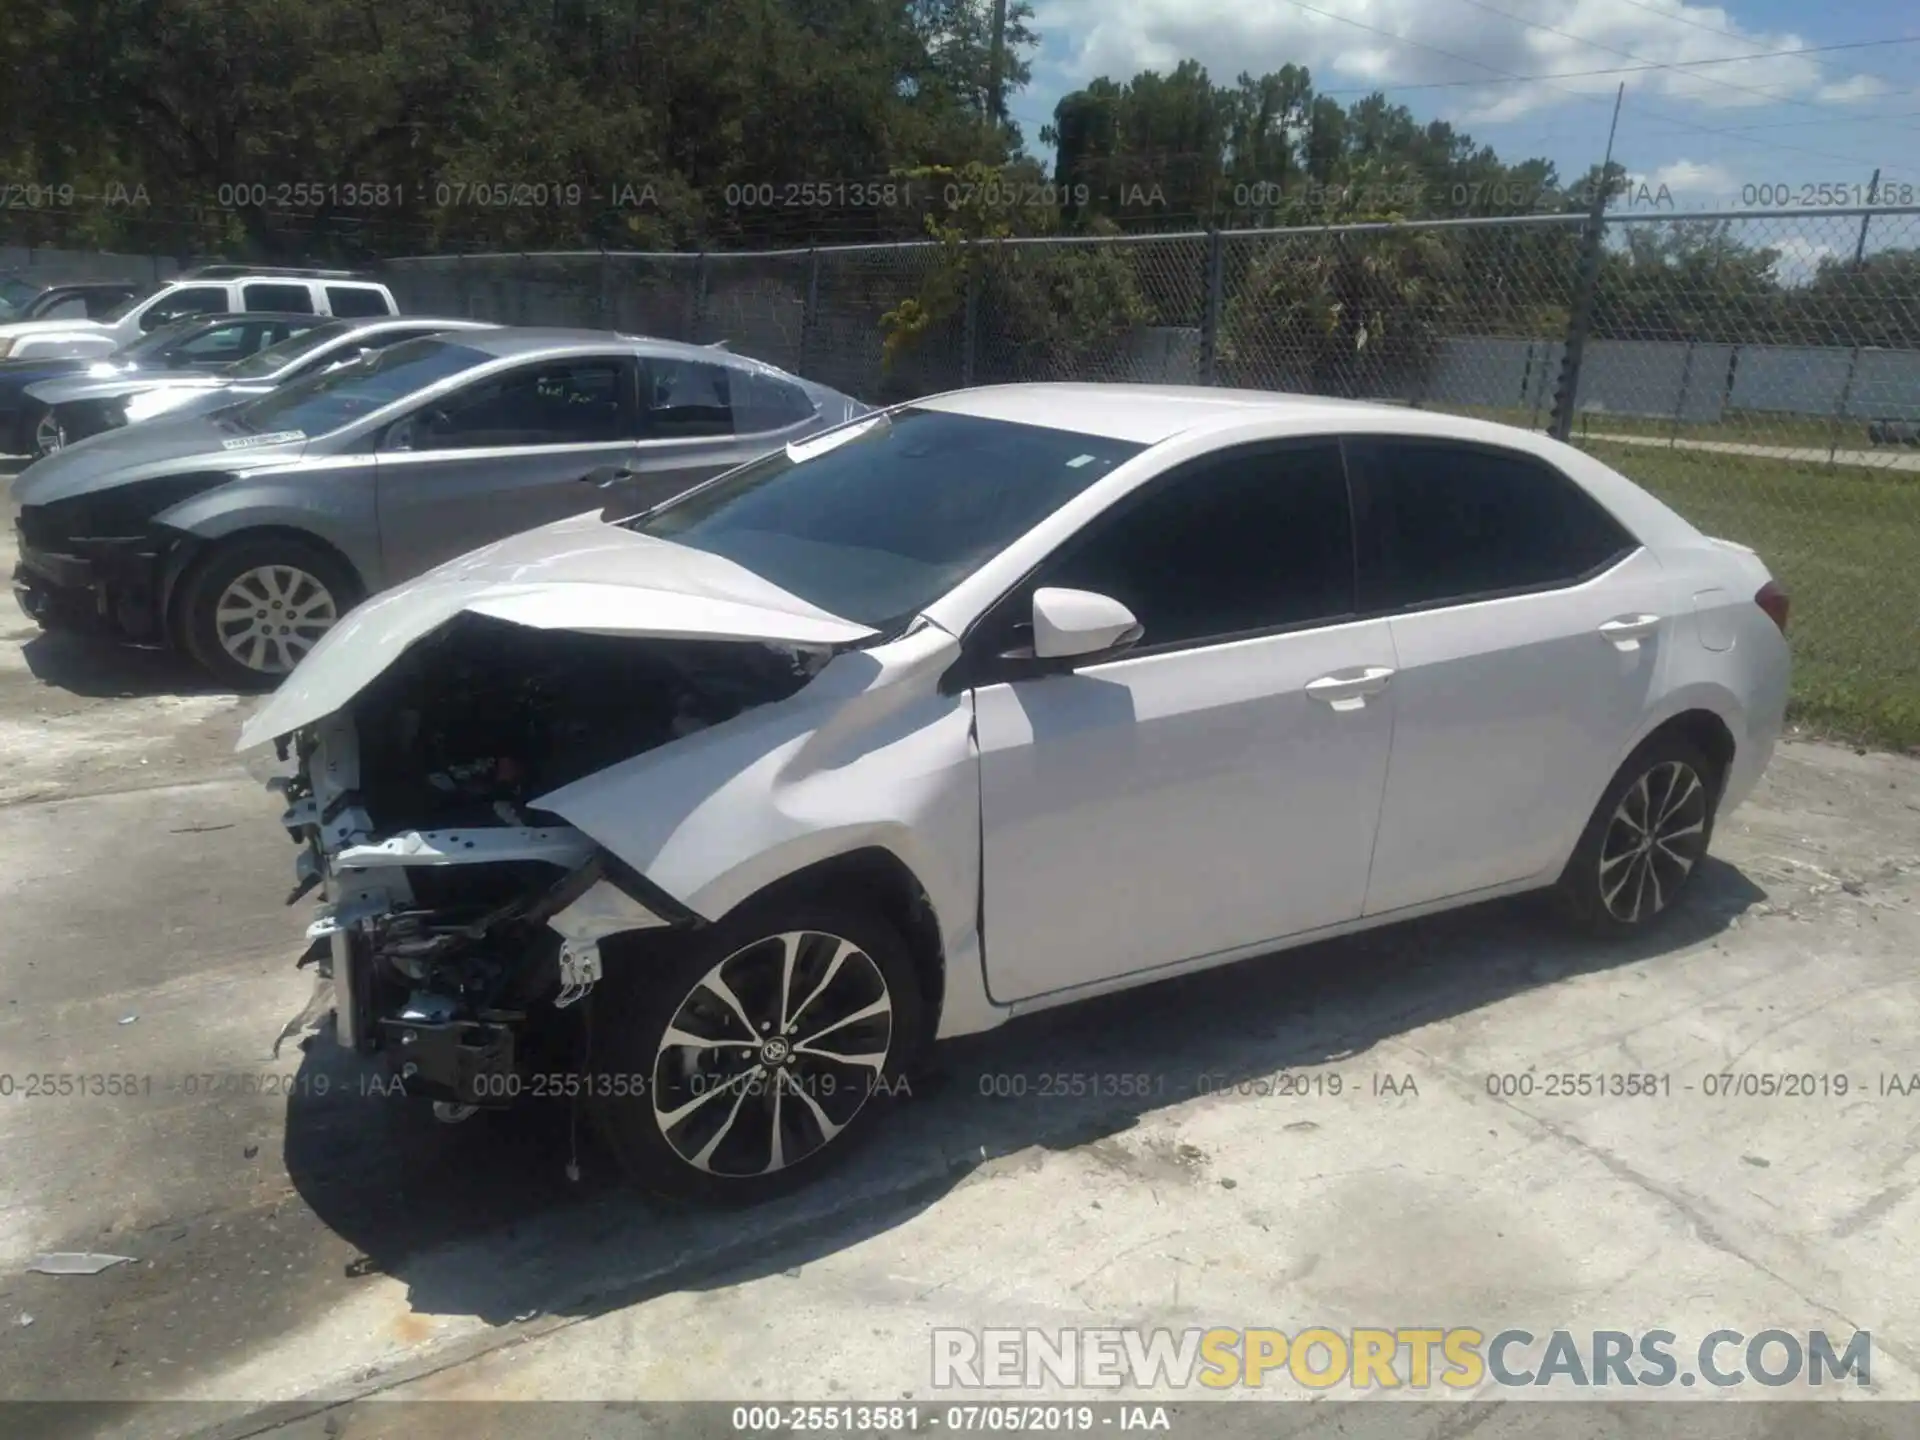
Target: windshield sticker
(277, 437)
(1078, 461)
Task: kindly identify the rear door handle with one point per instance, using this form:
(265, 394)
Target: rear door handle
(1627, 631)
(1348, 689)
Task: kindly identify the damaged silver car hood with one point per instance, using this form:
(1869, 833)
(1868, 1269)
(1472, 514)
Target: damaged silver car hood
(580, 574)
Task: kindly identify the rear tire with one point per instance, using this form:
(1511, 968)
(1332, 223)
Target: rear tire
(254, 606)
(1645, 839)
(769, 1106)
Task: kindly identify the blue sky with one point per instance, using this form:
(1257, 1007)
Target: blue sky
(1711, 134)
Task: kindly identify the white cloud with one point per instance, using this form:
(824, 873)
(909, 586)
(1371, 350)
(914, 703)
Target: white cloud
(1085, 38)
(1688, 181)
(1800, 257)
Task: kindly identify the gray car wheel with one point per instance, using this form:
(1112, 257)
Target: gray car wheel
(254, 608)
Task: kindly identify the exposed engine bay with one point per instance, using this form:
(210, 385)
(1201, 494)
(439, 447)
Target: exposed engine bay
(457, 920)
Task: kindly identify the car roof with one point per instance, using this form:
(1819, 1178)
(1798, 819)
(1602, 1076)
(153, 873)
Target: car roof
(228, 317)
(1143, 414)
(527, 339)
(89, 285)
(394, 322)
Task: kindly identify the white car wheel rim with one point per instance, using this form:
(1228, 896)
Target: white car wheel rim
(1656, 836)
(269, 617)
(48, 435)
(772, 1054)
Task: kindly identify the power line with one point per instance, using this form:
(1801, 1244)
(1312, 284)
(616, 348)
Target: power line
(1584, 99)
(1629, 69)
(1680, 19)
(1629, 55)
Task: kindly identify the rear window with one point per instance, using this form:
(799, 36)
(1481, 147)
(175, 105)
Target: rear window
(876, 520)
(357, 300)
(761, 402)
(322, 403)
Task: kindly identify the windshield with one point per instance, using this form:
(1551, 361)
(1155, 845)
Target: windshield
(125, 307)
(902, 508)
(320, 404)
(14, 295)
(275, 358)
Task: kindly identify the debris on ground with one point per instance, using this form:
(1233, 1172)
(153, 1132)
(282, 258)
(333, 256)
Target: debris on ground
(77, 1262)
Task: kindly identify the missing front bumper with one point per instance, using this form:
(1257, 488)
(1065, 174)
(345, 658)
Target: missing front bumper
(443, 987)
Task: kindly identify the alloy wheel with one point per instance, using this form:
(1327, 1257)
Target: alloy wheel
(772, 1054)
(1655, 837)
(48, 436)
(269, 617)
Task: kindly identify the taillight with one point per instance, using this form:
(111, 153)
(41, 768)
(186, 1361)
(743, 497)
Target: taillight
(1774, 601)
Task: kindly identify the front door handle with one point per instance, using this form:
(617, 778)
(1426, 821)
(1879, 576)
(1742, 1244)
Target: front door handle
(1348, 689)
(1627, 631)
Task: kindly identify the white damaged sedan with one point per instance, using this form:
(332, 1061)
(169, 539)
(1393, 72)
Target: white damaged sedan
(984, 704)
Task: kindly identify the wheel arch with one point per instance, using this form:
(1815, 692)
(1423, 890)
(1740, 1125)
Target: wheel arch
(876, 877)
(192, 552)
(1707, 716)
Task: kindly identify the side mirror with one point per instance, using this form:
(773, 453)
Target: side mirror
(1073, 624)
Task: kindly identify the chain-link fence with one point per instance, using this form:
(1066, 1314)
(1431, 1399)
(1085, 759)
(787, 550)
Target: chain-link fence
(1761, 372)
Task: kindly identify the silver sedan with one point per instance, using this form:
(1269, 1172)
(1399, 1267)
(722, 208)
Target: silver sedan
(243, 535)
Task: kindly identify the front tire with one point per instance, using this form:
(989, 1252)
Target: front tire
(1645, 839)
(48, 434)
(756, 1053)
(253, 608)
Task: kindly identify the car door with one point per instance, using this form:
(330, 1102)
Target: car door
(1217, 785)
(1529, 625)
(502, 454)
(700, 418)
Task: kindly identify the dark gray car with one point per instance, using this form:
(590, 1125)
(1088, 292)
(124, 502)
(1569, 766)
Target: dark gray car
(80, 405)
(242, 535)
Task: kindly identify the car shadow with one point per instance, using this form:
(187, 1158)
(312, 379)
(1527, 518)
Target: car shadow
(102, 669)
(480, 1219)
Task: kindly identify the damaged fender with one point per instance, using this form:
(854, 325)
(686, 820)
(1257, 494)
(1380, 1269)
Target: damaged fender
(869, 754)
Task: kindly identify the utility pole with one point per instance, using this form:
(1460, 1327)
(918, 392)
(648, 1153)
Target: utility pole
(1853, 324)
(996, 64)
(1581, 320)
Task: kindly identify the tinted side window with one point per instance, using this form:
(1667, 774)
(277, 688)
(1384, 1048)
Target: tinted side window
(761, 402)
(73, 307)
(289, 299)
(1244, 542)
(356, 300)
(1445, 523)
(685, 399)
(188, 300)
(563, 402)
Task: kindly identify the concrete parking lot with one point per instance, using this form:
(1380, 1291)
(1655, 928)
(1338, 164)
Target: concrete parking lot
(294, 1235)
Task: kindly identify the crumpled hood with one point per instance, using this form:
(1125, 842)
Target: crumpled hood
(141, 452)
(110, 387)
(579, 574)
